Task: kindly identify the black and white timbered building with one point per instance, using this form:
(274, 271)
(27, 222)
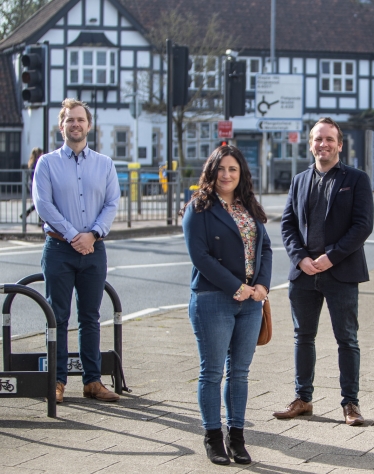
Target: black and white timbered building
(99, 51)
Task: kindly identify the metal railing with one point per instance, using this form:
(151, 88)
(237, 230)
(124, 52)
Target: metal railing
(140, 200)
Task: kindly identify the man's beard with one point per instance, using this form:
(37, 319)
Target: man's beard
(73, 139)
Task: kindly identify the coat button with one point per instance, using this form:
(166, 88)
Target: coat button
(216, 237)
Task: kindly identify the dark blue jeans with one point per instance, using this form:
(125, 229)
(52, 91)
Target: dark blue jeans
(65, 269)
(226, 331)
(306, 295)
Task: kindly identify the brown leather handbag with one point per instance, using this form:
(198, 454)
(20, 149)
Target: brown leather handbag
(266, 330)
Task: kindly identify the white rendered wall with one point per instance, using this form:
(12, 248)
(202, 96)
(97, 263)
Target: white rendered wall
(133, 38)
(53, 36)
(32, 132)
(363, 90)
(56, 86)
(75, 15)
(110, 14)
(92, 10)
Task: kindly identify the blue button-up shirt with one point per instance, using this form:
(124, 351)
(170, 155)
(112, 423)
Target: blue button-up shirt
(73, 197)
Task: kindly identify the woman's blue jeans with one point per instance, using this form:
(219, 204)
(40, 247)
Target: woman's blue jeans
(226, 331)
(65, 269)
(306, 294)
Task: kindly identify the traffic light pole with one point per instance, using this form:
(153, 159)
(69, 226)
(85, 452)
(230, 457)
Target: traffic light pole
(226, 104)
(169, 52)
(45, 128)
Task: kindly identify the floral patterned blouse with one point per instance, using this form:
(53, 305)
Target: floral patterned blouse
(248, 231)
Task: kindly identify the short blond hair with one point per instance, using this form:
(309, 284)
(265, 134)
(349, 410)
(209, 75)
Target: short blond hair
(71, 104)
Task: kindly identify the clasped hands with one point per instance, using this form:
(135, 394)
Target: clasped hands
(311, 267)
(257, 293)
(83, 243)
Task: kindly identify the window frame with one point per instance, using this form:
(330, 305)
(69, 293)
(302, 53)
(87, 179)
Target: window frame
(80, 68)
(331, 77)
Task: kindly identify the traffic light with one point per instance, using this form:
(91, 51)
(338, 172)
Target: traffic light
(34, 74)
(235, 84)
(181, 79)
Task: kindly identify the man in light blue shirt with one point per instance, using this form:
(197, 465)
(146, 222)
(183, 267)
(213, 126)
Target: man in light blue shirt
(76, 193)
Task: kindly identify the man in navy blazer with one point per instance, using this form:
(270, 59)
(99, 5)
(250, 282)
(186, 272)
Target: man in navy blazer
(327, 218)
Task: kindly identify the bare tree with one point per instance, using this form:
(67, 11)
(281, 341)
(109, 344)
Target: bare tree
(14, 12)
(207, 44)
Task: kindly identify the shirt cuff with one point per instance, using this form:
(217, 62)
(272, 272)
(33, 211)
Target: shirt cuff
(239, 291)
(69, 236)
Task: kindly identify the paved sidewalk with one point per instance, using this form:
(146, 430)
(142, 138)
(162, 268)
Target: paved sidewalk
(157, 427)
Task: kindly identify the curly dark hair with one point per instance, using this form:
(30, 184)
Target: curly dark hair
(204, 197)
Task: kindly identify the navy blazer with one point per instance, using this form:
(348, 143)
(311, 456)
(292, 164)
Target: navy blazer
(348, 223)
(217, 251)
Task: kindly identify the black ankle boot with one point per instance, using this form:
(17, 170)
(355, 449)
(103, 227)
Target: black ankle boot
(215, 449)
(236, 446)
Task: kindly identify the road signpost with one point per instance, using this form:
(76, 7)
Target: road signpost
(279, 96)
(225, 129)
(279, 125)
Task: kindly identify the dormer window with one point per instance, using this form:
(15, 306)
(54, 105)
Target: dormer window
(96, 66)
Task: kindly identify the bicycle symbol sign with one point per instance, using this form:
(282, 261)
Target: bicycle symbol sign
(8, 386)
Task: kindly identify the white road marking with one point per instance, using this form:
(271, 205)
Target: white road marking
(150, 265)
(280, 287)
(22, 243)
(20, 252)
(146, 312)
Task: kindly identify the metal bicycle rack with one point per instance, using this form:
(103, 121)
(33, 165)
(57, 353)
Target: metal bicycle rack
(111, 361)
(20, 381)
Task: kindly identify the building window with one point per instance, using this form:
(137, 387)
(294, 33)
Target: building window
(204, 72)
(337, 76)
(254, 67)
(199, 140)
(92, 66)
(121, 145)
(14, 142)
(156, 147)
(2, 142)
(191, 130)
(205, 130)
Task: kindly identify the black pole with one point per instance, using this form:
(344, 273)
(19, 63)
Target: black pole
(226, 98)
(95, 118)
(52, 345)
(169, 102)
(46, 106)
(45, 128)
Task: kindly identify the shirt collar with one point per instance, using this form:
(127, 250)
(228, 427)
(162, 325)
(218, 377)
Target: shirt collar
(336, 166)
(69, 152)
(224, 203)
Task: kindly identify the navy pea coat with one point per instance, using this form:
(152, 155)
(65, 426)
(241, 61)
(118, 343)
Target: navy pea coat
(348, 223)
(217, 251)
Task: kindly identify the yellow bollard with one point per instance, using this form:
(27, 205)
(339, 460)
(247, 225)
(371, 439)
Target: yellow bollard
(134, 178)
(163, 175)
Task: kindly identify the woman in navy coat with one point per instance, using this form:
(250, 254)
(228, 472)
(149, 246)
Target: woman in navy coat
(230, 250)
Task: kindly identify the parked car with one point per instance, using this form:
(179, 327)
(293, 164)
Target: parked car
(150, 182)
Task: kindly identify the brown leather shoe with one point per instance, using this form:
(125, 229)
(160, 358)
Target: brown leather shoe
(60, 389)
(296, 408)
(99, 391)
(352, 414)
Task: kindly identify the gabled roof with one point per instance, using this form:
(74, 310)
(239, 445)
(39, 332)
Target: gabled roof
(336, 26)
(9, 110)
(32, 28)
(345, 26)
